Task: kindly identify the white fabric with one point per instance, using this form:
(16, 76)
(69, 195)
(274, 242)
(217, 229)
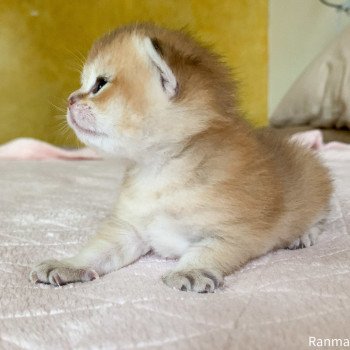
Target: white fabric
(321, 95)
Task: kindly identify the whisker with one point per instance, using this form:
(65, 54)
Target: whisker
(65, 134)
(80, 60)
(60, 116)
(75, 69)
(81, 55)
(63, 130)
(60, 109)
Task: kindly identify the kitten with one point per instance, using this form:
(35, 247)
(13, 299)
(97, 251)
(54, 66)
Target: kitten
(201, 185)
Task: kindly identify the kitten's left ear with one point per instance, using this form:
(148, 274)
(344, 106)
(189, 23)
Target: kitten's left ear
(167, 77)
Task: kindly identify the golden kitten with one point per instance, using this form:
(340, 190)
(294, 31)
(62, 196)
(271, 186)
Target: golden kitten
(201, 185)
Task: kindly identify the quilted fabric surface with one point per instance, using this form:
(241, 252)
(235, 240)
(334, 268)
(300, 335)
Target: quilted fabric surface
(48, 209)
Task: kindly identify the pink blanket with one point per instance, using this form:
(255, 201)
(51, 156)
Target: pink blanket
(27, 148)
(279, 301)
(314, 139)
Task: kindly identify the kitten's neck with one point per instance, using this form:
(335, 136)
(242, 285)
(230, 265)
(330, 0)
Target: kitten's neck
(184, 157)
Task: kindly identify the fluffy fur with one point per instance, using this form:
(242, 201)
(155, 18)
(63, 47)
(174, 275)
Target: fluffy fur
(201, 185)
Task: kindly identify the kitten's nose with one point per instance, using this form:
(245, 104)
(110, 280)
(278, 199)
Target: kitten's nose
(73, 98)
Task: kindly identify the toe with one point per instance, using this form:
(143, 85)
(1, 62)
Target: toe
(306, 241)
(91, 275)
(295, 244)
(40, 273)
(33, 277)
(178, 281)
(313, 235)
(55, 278)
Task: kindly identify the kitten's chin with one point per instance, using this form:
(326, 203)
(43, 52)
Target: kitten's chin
(100, 141)
(86, 135)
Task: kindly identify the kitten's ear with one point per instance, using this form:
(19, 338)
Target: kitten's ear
(167, 77)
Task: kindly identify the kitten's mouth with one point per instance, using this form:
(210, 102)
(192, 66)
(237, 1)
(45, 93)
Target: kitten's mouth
(82, 129)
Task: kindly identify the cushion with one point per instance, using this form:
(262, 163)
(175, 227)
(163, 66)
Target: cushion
(320, 97)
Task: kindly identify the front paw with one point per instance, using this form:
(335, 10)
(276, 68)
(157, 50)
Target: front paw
(195, 280)
(59, 273)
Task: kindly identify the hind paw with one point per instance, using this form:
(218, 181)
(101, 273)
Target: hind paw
(307, 240)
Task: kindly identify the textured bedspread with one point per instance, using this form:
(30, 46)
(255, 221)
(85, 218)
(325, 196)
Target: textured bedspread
(49, 208)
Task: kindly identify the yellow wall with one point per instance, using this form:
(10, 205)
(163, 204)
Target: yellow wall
(42, 41)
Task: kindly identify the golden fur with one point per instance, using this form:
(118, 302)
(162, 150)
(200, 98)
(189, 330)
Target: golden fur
(201, 183)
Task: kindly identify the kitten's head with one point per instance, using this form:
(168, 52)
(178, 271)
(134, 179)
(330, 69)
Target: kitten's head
(144, 89)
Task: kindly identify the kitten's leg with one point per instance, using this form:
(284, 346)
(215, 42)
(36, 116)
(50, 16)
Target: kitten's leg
(115, 246)
(203, 267)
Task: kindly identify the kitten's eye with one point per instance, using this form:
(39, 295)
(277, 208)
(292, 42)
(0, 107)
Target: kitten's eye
(99, 84)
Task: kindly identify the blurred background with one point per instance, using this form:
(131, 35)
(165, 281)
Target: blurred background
(43, 44)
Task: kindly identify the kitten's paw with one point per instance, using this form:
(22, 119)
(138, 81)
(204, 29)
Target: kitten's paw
(195, 280)
(59, 273)
(307, 240)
